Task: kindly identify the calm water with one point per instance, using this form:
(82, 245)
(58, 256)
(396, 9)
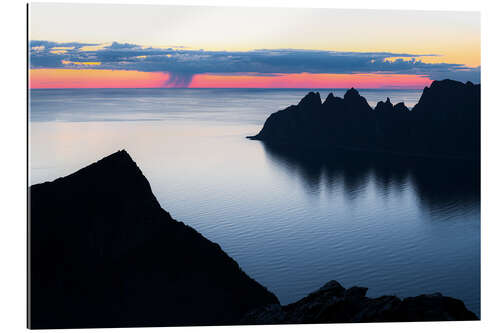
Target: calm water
(395, 225)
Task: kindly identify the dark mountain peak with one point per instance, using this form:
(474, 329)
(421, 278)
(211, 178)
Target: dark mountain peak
(104, 253)
(380, 106)
(355, 102)
(450, 89)
(449, 96)
(351, 93)
(312, 99)
(448, 84)
(330, 97)
(116, 173)
(121, 156)
(401, 107)
(118, 164)
(332, 100)
(384, 106)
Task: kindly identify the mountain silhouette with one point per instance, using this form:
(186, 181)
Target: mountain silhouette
(103, 253)
(444, 123)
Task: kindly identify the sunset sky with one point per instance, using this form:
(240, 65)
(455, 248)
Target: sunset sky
(133, 46)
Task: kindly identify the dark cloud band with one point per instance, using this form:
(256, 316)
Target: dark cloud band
(183, 63)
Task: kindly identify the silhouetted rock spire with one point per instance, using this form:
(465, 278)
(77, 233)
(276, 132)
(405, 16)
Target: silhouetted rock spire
(384, 106)
(311, 100)
(351, 93)
(329, 98)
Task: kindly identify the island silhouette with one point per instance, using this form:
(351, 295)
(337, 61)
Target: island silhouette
(444, 123)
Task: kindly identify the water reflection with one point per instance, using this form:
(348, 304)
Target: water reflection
(438, 183)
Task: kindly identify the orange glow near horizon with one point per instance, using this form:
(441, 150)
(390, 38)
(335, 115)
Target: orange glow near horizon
(95, 78)
(99, 78)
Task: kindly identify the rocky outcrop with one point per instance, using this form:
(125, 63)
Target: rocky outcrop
(332, 303)
(444, 123)
(103, 253)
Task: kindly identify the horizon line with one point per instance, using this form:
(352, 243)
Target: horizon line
(261, 88)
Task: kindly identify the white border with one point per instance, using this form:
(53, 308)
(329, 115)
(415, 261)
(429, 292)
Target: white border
(13, 165)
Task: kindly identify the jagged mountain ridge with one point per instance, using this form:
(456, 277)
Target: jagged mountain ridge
(444, 123)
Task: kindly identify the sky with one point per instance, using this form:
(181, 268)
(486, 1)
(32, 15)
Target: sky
(148, 46)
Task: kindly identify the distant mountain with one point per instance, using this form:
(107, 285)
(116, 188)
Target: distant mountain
(332, 303)
(105, 254)
(444, 123)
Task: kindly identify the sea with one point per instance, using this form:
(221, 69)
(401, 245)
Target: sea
(397, 225)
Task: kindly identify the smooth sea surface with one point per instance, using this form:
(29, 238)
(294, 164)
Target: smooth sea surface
(292, 220)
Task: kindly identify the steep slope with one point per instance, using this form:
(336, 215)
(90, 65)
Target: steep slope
(105, 254)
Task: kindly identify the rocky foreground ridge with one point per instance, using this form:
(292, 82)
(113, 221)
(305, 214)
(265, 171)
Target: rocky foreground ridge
(444, 123)
(332, 303)
(103, 253)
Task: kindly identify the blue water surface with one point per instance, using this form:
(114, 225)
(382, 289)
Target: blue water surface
(291, 220)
